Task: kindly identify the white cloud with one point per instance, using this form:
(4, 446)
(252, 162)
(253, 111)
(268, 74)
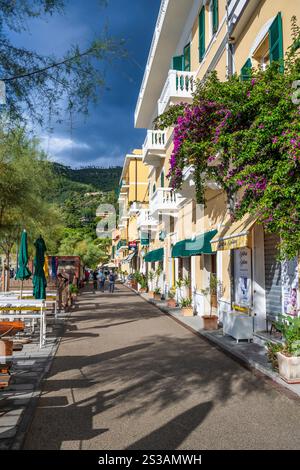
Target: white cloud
(57, 145)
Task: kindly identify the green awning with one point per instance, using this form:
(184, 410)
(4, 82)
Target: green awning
(189, 247)
(154, 256)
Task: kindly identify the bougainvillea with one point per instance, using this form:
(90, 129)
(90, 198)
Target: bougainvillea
(246, 136)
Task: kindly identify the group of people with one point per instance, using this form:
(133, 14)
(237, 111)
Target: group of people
(99, 280)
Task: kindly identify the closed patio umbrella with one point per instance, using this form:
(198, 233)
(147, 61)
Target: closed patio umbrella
(23, 271)
(39, 279)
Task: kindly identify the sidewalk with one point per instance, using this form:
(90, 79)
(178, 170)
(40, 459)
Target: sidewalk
(18, 401)
(251, 355)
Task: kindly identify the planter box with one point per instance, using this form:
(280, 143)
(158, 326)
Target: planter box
(157, 296)
(238, 325)
(142, 290)
(187, 311)
(151, 294)
(210, 322)
(289, 368)
(171, 303)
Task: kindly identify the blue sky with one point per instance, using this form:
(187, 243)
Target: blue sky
(107, 134)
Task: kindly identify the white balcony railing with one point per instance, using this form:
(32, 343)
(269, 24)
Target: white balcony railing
(178, 87)
(145, 221)
(164, 200)
(154, 147)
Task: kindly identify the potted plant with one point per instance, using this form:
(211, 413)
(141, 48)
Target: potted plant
(288, 353)
(151, 276)
(157, 293)
(171, 298)
(211, 321)
(186, 307)
(143, 284)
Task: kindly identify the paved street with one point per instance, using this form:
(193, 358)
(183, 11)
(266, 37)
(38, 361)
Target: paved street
(126, 376)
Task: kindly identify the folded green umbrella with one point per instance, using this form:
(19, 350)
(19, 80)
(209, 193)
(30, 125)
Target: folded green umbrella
(23, 272)
(39, 279)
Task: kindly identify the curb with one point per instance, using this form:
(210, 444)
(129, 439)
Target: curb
(241, 359)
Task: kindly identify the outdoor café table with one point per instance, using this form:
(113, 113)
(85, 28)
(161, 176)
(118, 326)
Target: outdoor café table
(22, 309)
(16, 294)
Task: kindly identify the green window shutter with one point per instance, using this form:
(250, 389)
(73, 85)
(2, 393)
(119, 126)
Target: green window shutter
(246, 70)
(187, 58)
(201, 34)
(276, 40)
(162, 179)
(215, 13)
(178, 63)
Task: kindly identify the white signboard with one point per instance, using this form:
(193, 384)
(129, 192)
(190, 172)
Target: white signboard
(290, 280)
(242, 276)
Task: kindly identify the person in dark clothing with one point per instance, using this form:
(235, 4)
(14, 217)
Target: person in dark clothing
(95, 275)
(112, 280)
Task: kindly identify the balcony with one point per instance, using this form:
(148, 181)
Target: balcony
(154, 147)
(165, 201)
(178, 88)
(134, 208)
(145, 222)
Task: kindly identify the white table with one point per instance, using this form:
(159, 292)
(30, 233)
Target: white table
(51, 297)
(19, 307)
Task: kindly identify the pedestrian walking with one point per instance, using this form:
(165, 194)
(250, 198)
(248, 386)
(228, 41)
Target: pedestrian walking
(101, 280)
(95, 274)
(112, 280)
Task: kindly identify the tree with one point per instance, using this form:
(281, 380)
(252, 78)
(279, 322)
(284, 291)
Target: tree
(40, 84)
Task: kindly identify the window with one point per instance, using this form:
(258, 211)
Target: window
(178, 63)
(262, 53)
(276, 40)
(187, 58)
(214, 16)
(246, 70)
(202, 34)
(162, 179)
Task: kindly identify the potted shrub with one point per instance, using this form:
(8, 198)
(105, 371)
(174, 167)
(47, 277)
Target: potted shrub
(143, 284)
(74, 291)
(157, 293)
(211, 321)
(171, 298)
(151, 276)
(186, 307)
(288, 353)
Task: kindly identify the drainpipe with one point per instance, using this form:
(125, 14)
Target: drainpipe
(229, 45)
(136, 180)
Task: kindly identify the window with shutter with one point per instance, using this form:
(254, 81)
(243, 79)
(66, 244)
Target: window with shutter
(246, 70)
(215, 13)
(276, 40)
(162, 179)
(187, 57)
(201, 34)
(178, 63)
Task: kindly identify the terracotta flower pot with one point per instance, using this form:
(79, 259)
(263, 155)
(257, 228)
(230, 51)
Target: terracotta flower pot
(187, 311)
(142, 290)
(171, 303)
(289, 368)
(157, 296)
(151, 294)
(6, 348)
(210, 322)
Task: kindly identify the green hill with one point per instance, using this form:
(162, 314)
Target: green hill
(92, 177)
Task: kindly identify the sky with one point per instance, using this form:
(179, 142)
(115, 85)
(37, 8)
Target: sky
(107, 134)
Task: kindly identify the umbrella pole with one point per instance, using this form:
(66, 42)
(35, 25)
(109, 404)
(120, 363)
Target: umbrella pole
(21, 288)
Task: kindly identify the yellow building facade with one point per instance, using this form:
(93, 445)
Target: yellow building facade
(191, 39)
